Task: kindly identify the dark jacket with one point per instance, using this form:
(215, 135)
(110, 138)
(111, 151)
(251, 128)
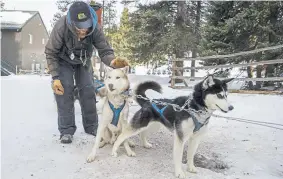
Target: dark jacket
(63, 42)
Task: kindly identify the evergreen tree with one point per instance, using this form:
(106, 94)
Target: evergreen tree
(2, 5)
(120, 37)
(62, 6)
(241, 26)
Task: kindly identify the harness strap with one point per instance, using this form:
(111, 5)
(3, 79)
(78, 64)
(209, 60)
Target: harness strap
(197, 124)
(98, 84)
(159, 111)
(116, 113)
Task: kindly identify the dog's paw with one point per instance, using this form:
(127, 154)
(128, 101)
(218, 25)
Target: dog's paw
(114, 154)
(131, 154)
(192, 169)
(90, 158)
(102, 144)
(131, 143)
(112, 141)
(147, 145)
(180, 174)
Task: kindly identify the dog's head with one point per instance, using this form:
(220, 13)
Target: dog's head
(116, 80)
(212, 93)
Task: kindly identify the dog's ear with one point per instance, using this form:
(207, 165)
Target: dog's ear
(125, 69)
(108, 69)
(208, 82)
(227, 80)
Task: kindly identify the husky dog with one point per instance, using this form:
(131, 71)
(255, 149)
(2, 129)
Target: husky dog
(187, 125)
(115, 110)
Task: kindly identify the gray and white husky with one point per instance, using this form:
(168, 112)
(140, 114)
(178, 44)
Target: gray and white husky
(208, 96)
(115, 110)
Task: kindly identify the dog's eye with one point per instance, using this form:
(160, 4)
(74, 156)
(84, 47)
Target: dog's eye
(220, 96)
(118, 77)
(109, 77)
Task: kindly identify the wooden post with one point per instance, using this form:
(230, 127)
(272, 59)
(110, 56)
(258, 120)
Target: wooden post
(173, 71)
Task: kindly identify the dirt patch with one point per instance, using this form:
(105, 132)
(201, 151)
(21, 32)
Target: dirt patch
(213, 164)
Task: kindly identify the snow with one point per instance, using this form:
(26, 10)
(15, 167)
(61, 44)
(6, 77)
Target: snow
(31, 149)
(14, 17)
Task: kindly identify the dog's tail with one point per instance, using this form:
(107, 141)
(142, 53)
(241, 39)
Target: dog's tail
(141, 89)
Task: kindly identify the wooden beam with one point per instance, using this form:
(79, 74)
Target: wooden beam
(236, 79)
(256, 92)
(231, 55)
(234, 65)
(173, 73)
(240, 91)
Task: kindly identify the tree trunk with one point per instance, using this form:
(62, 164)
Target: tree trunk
(258, 75)
(197, 36)
(181, 16)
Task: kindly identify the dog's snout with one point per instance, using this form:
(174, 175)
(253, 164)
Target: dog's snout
(231, 108)
(110, 86)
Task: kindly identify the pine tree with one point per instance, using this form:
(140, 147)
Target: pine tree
(149, 27)
(2, 5)
(242, 26)
(62, 5)
(109, 17)
(161, 29)
(120, 38)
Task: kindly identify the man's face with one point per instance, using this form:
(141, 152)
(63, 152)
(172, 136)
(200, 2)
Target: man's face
(81, 32)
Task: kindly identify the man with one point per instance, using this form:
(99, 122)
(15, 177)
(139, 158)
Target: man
(68, 53)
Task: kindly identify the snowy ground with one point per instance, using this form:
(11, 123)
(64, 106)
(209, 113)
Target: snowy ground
(31, 149)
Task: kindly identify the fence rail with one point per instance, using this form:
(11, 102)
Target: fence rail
(176, 71)
(234, 65)
(238, 79)
(230, 55)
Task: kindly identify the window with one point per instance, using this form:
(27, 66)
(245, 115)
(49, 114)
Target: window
(43, 41)
(30, 38)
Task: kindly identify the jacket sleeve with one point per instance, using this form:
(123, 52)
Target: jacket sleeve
(105, 52)
(53, 47)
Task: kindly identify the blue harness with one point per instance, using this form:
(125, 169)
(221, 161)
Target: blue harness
(197, 124)
(159, 111)
(97, 85)
(116, 113)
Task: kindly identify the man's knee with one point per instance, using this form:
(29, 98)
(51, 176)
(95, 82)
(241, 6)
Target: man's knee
(87, 92)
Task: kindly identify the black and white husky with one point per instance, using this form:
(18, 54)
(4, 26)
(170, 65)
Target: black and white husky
(189, 124)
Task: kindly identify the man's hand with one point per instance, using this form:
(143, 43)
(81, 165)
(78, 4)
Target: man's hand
(119, 62)
(57, 87)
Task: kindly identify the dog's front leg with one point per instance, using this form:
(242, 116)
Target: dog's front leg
(129, 151)
(100, 131)
(192, 148)
(145, 143)
(113, 138)
(122, 137)
(106, 138)
(177, 154)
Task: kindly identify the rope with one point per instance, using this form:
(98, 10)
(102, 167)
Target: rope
(235, 118)
(260, 123)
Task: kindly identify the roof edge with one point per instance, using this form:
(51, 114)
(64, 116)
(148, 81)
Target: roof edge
(35, 13)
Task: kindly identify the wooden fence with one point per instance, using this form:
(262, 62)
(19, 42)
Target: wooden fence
(177, 70)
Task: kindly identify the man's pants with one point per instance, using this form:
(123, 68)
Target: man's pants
(65, 103)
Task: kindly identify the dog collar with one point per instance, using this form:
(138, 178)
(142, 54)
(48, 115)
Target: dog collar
(127, 92)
